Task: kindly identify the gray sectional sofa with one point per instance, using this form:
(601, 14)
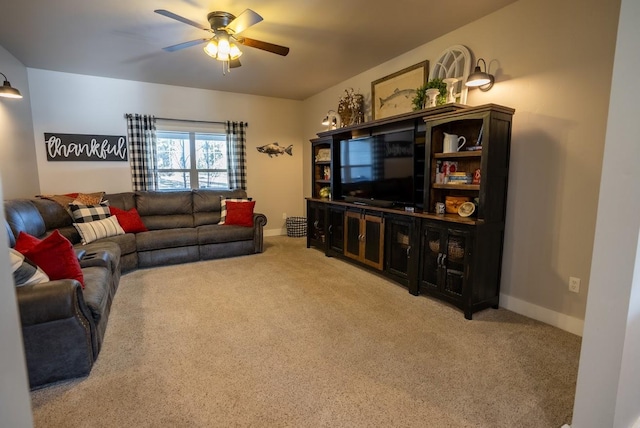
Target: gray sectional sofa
(63, 325)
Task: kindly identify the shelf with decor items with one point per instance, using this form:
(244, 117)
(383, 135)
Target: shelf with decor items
(455, 256)
(322, 169)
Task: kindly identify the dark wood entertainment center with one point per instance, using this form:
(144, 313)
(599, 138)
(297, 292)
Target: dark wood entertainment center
(456, 259)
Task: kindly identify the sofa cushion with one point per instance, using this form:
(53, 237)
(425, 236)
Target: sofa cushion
(166, 238)
(53, 214)
(99, 229)
(240, 213)
(56, 257)
(165, 210)
(219, 233)
(124, 201)
(88, 213)
(207, 206)
(126, 242)
(23, 216)
(24, 271)
(129, 220)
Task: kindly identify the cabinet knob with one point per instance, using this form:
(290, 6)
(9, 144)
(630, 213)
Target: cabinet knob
(330, 227)
(409, 252)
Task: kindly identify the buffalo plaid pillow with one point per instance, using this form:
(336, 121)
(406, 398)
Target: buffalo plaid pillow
(87, 213)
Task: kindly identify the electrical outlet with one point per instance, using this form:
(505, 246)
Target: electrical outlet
(574, 284)
(284, 216)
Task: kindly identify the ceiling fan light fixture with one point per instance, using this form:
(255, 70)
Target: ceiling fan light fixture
(234, 51)
(211, 49)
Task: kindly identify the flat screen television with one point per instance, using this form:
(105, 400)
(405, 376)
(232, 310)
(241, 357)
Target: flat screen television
(378, 170)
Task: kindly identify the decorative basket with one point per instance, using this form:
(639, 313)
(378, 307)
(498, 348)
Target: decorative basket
(296, 227)
(456, 249)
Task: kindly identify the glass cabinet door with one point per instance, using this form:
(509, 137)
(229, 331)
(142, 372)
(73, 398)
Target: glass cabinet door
(336, 230)
(399, 245)
(373, 242)
(352, 234)
(432, 244)
(454, 263)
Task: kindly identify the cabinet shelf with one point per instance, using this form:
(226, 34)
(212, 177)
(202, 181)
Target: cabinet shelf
(457, 155)
(456, 186)
(323, 181)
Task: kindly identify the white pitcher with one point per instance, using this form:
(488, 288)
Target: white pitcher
(452, 143)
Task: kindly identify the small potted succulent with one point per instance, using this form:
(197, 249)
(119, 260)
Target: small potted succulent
(420, 99)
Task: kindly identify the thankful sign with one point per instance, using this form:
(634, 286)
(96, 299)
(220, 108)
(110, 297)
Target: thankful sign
(80, 147)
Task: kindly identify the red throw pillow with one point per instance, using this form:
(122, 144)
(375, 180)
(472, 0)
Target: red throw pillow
(55, 256)
(130, 221)
(240, 213)
(25, 242)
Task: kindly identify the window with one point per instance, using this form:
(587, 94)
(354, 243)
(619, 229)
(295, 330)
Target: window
(191, 160)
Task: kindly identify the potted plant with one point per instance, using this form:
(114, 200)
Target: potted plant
(421, 93)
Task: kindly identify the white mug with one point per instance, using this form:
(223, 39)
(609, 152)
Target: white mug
(452, 143)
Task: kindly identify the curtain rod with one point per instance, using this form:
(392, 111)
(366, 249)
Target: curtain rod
(188, 120)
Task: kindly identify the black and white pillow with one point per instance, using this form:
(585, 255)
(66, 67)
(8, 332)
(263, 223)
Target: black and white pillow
(223, 207)
(87, 213)
(24, 271)
(98, 229)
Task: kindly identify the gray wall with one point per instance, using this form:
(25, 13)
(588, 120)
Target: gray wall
(18, 166)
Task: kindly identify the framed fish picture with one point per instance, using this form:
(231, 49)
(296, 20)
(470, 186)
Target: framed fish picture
(393, 94)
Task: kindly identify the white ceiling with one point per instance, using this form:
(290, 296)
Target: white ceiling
(330, 40)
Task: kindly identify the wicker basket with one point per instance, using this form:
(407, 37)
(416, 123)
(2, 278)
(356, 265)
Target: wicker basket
(296, 227)
(434, 246)
(456, 249)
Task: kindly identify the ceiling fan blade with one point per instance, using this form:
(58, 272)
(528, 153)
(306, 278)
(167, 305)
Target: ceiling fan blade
(182, 19)
(234, 63)
(184, 45)
(243, 21)
(269, 47)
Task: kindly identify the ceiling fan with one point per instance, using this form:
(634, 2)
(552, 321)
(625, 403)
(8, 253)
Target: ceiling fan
(225, 30)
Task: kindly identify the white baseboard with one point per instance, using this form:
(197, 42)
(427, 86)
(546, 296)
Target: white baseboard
(274, 232)
(565, 322)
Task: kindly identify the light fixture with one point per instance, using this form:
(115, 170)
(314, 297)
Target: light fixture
(330, 120)
(7, 91)
(221, 49)
(480, 79)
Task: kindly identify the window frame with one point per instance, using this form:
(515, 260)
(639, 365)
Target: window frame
(191, 133)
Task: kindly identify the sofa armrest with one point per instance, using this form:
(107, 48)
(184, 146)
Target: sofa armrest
(259, 222)
(51, 301)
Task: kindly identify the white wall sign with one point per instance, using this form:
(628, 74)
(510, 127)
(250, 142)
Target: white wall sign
(80, 147)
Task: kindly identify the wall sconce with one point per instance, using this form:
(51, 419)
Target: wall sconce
(331, 120)
(7, 91)
(480, 79)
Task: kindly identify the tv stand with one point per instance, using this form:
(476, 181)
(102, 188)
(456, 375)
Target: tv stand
(452, 258)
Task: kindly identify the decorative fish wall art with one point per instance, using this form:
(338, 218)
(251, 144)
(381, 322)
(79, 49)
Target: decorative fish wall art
(274, 149)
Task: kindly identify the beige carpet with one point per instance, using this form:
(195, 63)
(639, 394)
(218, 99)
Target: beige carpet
(291, 338)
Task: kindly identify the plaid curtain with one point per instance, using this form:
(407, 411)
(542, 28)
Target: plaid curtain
(236, 155)
(141, 131)
(378, 157)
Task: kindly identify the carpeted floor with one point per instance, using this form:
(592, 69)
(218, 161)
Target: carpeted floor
(291, 338)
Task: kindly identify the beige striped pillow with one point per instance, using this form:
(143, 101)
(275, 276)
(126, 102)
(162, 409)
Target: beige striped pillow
(99, 229)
